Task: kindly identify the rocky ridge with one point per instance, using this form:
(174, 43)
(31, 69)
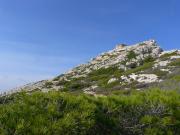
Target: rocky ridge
(141, 64)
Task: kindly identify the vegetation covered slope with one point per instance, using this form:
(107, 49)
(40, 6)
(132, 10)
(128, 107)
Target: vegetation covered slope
(131, 90)
(151, 112)
(126, 67)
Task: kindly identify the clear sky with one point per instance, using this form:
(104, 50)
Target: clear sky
(40, 39)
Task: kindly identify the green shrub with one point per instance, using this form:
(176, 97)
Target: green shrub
(133, 113)
(102, 75)
(62, 82)
(167, 55)
(131, 55)
(148, 59)
(76, 85)
(176, 78)
(111, 85)
(73, 84)
(47, 114)
(58, 77)
(140, 68)
(48, 84)
(102, 71)
(159, 73)
(142, 44)
(175, 63)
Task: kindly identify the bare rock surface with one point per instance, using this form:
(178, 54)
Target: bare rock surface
(145, 78)
(112, 80)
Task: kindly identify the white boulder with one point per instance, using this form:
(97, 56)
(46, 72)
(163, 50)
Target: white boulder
(175, 57)
(162, 63)
(144, 78)
(112, 80)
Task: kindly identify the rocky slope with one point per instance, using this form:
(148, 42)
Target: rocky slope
(136, 66)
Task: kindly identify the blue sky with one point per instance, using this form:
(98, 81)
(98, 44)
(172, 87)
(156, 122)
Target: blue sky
(40, 39)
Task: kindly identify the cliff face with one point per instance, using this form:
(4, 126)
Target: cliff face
(136, 66)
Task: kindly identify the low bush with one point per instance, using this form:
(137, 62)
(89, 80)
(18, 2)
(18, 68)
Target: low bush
(102, 75)
(62, 82)
(76, 85)
(159, 73)
(148, 59)
(133, 113)
(140, 68)
(48, 84)
(131, 55)
(107, 71)
(175, 63)
(167, 55)
(176, 78)
(58, 77)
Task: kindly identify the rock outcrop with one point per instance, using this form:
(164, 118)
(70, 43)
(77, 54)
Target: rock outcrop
(124, 58)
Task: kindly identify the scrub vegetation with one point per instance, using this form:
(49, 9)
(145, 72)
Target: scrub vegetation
(150, 112)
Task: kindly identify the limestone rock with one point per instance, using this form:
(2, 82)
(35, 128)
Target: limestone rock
(162, 63)
(144, 78)
(91, 88)
(112, 80)
(175, 57)
(125, 79)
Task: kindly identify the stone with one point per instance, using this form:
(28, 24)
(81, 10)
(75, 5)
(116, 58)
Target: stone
(131, 64)
(120, 47)
(156, 52)
(144, 78)
(91, 88)
(125, 79)
(178, 52)
(123, 67)
(112, 80)
(89, 93)
(175, 57)
(162, 63)
(165, 70)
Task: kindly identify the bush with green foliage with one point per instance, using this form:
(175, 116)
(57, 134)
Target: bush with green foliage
(159, 73)
(133, 113)
(131, 55)
(76, 84)
(175, 63)
(48, 84)
(140, 68)
(167, 55)
(102, 75)
(46, 114)
(176, 78)
(148, 59)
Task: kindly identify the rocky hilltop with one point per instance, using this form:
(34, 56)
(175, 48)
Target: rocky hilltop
(125, 67)
(130, 90)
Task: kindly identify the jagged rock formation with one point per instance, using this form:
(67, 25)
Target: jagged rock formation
(124, 67)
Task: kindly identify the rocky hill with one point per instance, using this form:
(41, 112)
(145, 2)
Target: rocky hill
(130, 90)
(137, 66)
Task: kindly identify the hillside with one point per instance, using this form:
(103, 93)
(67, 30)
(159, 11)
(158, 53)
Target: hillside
(152, 112)
(136, 66)
(130, 90)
